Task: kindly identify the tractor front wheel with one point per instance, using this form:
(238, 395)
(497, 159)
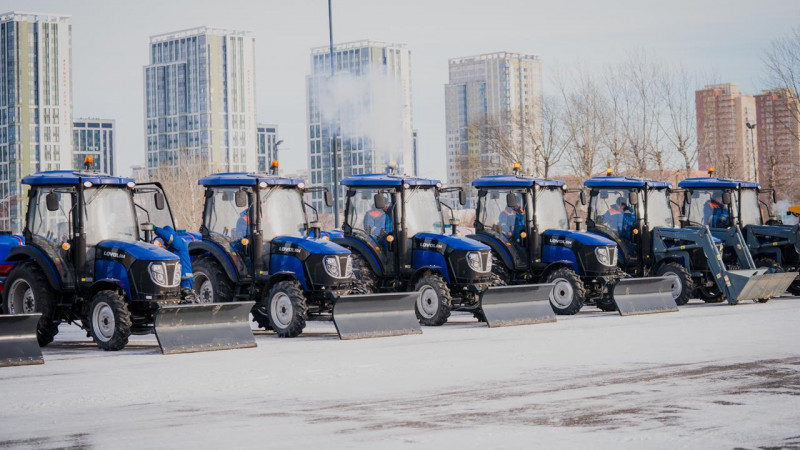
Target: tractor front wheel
(110, 321)
(682, 285)
(434, 301)
(568, 294)
(286, 307)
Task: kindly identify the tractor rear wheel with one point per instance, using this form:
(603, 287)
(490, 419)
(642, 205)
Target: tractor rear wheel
(434, 301)
(211, 283)
(682, 284)
(569, 294)
(366, 280)
(286, 307)
(28, 291)
(110, 321)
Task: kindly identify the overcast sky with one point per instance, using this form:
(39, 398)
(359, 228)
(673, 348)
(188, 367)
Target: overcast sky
(110, 38)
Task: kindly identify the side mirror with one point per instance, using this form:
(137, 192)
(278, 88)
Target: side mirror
(462, 198)
(774, 196)
(52, 201)
(511, 200)
(160, 201)
(328, 198)
(380, 201)
(583, 198)
(687, 199)
(240, 198)
(726, 198)
(633, 198)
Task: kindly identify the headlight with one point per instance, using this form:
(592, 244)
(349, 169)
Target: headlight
(475, 263)
(176, 276)
(158, 273)
(348, 271)
(606, 255)
(331, 266)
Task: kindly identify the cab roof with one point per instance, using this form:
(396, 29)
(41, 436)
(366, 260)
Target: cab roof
(716, 183)
(247, 179)
(489, 181)
(383, 179)
(72, 177)
(625, 182)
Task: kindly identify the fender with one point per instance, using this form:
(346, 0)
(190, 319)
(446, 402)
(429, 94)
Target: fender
(365, 251)
(197, 248)
(421, 270)
(555, 265)
(497, 248)
(681, 258)
(26, 252)
(277, 278)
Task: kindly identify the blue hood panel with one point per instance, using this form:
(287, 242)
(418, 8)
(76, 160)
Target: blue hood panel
(453, 242)
(140, 250)
(314, 246)
(582, 237)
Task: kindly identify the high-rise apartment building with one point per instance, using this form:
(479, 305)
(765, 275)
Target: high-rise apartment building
(495, 93)
(94, 138)
(266, 150)
(779, 142)
(35, 104)
(200, 99)
(723, 137)
(365, 108)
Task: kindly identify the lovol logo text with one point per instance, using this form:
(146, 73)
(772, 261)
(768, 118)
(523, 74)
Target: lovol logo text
(115, 255)
(431, 245)
(289, 249)
(562, 241)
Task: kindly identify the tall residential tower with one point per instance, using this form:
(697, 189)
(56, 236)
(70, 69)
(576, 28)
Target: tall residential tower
(200, 100)
(35, 104)
(94, 138)
(779, 142)
(492, 94)
(366, 108)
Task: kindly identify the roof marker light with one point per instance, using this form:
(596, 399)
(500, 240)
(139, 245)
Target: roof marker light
(262, 185)
(87, 184)
(711, 171)
(131, 184)
(301, 185)
(609, 171)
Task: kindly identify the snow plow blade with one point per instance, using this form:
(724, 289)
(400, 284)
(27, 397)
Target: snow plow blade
(204, 328)
(505, 306)
(376, 315)
(18, 343)
(634, 296)
(752, 284)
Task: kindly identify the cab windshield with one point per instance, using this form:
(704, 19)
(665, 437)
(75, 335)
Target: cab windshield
(611, 209)
(659, 209)
(282, 213)
(551, 212)
(423, 212)
(751, 208)
(707, 208)
(109, 214)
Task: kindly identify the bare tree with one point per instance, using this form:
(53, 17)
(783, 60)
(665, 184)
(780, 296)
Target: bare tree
(583, 109)
(640, 109)
(502, 142)
(614, 138)
(679, 122)
(551, 139)
(782, 60)
(185, 195)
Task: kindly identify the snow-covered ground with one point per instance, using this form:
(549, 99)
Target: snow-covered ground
(709, 376)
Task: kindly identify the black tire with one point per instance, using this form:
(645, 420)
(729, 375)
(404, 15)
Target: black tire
(710, 294)
(27, 279)
(434, 302)
(110, 320)
(683, 293)
(211, 283)
(286, 308)
(606, 304)
(499, 268)
(569, 294)
(260, 316)
(366, 280)
(794, 288)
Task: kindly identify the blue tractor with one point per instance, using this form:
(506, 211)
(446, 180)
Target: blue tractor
(524, 221)
(258, 244)
(395, 229)
(637, 214)
(84, 260)
(732, 210)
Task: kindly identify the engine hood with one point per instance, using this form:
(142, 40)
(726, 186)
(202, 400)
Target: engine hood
(433, 241)
(309, 246)
(113, 249)
(581, 237)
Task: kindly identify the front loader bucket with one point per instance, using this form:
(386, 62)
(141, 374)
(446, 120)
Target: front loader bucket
(376, 315)
(18, 343)
(635, 296)
(204, 328)
(752, 284)
(505, 306)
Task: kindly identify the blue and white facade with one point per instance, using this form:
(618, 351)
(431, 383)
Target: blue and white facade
(266, 150)
(95, 138)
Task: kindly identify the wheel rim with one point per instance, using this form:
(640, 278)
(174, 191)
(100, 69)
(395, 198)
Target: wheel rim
(103, 322)
(562, 293)
(21, 299)
(677, 285)
(428, 302)
(206, 292)
(281, 309)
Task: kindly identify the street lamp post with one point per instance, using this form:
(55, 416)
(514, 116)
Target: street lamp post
(750, 128)
(334, 137)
